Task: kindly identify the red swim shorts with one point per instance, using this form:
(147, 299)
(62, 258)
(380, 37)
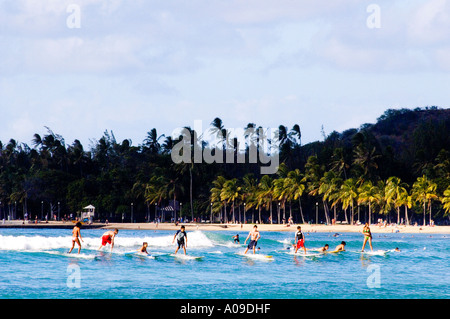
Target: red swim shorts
(300, 243)
(106, 239)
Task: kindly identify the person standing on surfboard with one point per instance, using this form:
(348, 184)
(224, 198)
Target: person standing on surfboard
(367, 237)
(181, 237)
(299, 240)
(254, 235)
(108, 238)
(76, 236)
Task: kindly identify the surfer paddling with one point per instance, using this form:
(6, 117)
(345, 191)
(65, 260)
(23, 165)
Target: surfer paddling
(254, 236)
(108, 238)
(76, 236)
(143, 249)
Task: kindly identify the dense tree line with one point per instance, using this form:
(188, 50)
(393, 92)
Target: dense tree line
(396, 169)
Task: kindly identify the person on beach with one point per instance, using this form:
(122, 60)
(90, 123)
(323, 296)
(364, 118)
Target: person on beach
(367, 237)
(299, 240)
(76, 236)
(254, 236)
(143, 249)
(181, 237)
(108, 238)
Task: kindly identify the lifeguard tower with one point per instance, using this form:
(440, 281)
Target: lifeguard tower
(88, 214)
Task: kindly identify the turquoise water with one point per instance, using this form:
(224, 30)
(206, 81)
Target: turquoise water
(34, 264)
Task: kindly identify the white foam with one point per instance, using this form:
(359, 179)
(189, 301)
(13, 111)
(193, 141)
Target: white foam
(40, 243)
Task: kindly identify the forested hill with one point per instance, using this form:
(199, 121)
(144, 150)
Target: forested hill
(405, 143)
(51, 177)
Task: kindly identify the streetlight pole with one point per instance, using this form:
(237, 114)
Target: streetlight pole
(317, 213)
(131, 212)
(211, 219)
(42, 210)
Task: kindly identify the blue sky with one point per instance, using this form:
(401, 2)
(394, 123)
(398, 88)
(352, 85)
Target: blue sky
(136, 65)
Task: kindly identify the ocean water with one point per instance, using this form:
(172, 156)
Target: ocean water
(34, 264)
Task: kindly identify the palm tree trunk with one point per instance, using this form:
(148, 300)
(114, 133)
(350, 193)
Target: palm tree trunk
(301, 210)
(259, 211)
(271, 216)
(290, 209)
(406, 215)
(429, 205)
(190, 193)
(351, 219)
(232, 207)
(424, 212)
(225, 218)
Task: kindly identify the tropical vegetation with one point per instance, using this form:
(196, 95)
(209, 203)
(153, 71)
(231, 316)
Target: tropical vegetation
(397, 169)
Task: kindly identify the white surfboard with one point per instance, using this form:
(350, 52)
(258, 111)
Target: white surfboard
(186, 257)
(256, 256)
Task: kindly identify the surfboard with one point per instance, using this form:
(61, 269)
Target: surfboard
(71, 255)
(139, 254)
(336, 251)
(186, 257)
(375, 252)
(256, 256)
(303, 254)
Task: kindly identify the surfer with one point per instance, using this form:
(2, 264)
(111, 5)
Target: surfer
(108, 238)
(323, 249)
(76, 236)
(143, 249)
(181, 237)
(254, 236)
(340, 247)
(236, 239)
(367, 237)
(299, 240)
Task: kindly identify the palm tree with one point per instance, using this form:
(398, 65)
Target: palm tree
(152, 141)
(338, 164)
(249, 192)
(382, 200)
(219, 130)
(396, 193)
(446, 200)
(366, 160)
(216, 191)
(265, 194)
(367, 195)
(348, 194)
(231, 191)
(329, 188)
(424, 190)
(280, 193)
(297, 188)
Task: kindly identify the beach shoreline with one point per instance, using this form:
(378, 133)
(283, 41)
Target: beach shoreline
(338, 228)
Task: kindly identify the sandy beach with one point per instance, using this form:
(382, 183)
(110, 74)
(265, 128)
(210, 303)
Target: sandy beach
(338, 228)
(276, 227)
